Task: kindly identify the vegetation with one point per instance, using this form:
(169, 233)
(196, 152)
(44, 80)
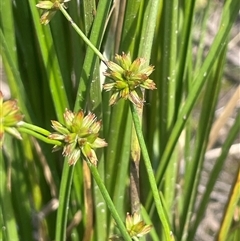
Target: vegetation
(111, 87)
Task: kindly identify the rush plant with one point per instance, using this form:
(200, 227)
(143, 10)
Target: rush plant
(99, 140)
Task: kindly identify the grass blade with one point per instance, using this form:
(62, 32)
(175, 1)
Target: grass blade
(229, 213)
(229, 14)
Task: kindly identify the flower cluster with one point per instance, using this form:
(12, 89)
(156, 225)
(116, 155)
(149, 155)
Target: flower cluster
(79, 135)
(135, 227)
(10, 116)
(50, 7)
(128, 78)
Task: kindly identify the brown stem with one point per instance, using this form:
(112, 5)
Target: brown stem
(134, 169)
(134, 186)
(88, 202)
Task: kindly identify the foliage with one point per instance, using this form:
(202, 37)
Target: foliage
(62, 66)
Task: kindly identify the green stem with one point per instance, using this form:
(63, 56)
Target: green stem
(32, 132)
(150, 173)
(80, 33)
(64, 196)
(34, 128)
(39, 136)
(109, 202)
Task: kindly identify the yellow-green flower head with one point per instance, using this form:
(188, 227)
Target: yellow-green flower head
(128, 78)
(10, 116)
(50, 7)
(79, 135)
(136, 227)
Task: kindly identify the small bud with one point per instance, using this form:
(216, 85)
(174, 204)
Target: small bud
(50, 8)
(45, 5)
(10, 117)
(136, 228)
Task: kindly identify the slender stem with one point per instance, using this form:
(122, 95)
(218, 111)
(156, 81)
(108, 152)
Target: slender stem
(150, 173)
(81, 34)
(134, 186)
(39, 136)
(109, 202)
(64, 196)
(34, 128)
(134, 169)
